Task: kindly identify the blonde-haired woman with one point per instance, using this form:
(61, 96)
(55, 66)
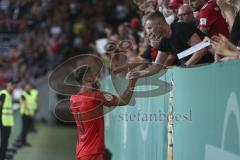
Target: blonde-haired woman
(221, 45)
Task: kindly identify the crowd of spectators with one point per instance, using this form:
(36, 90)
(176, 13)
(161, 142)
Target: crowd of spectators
(174, 26)
(51, 31)
(56, 30)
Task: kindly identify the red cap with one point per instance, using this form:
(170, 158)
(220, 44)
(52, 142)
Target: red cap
(175, 3)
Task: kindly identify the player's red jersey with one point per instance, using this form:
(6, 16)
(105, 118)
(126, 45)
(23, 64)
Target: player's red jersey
(87, 109)
(210, 16)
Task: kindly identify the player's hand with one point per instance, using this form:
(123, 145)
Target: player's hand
(136, 74)
(120, 69)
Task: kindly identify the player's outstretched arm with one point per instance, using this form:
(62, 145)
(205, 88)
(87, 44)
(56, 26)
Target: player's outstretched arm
(156, 67)
(125, 98)
(110, 100)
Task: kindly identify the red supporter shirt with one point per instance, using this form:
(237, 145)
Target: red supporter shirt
(150, 53)
(87, 109)
(154, 53)
(210, 16)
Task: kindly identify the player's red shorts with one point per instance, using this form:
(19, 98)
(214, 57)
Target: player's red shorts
(93, 157)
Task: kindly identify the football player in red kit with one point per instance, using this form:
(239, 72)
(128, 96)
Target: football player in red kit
(87, 109)
(211, 20)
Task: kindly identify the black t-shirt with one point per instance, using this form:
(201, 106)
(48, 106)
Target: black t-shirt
(181, 34)
(235, 32)
(150, 53)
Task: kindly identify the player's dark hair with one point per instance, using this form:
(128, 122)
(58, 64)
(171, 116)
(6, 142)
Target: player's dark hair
(79, 77)
(79, 74)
